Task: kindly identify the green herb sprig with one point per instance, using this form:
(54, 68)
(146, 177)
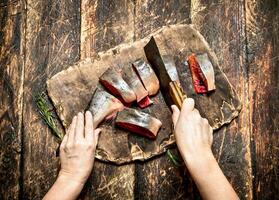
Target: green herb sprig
(175, 160)
(47, 115)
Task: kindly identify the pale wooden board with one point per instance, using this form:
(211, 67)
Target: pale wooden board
(71, 91)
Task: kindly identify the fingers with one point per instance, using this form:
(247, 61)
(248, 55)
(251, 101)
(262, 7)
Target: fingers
(96, 136)
(88, 125)
(175, 114)
(205, 121)
(188, 105)
(91, 134)
(79, 127)
(64, 141)
(210, 129)
(71, 131)
(211, 134)
(207, 130)
(196, 113)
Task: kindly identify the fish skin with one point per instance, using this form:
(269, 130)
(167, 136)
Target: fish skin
(138, 122)
(131, 78)
(147, 76)
(115, 84)
(103, 105)
(207, 70)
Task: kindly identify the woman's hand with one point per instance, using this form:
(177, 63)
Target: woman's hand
(194, 138)
(77, 152)
(193, 133)
(77, 149)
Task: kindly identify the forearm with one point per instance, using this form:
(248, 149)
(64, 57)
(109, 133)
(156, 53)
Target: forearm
(64, 189)
(209, 178)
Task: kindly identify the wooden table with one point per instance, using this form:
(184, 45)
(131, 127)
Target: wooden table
(39, 38)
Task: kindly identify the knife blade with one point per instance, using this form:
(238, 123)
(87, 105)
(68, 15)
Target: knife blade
(171, 68)
(165, 69)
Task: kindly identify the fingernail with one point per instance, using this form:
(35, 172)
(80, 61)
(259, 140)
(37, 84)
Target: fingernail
(99, 130)
(89, 113)
(172, 107)
(191, 99)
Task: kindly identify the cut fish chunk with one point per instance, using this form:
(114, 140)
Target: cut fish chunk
(207, 69)
(103, 105)
(147, 76)
(202, 73)
(131, 78)
(115, 84)
(138, 122)
(145, 102)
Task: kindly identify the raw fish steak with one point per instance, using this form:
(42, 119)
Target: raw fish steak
(103, 105)
(114, 83)
(138, 122)
(147, 76)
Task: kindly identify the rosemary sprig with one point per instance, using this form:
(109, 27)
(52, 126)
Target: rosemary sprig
(175, 160)
(47, 115)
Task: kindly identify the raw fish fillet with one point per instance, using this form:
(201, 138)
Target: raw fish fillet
(138, 122)
(147, 76)
(131, 78)
(202, 73)
(115, 84)
(103, 105)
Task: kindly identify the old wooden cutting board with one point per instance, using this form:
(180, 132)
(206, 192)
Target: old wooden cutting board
(71, 91)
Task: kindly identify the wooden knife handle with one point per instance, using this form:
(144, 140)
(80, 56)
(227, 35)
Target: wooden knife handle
(177, 94)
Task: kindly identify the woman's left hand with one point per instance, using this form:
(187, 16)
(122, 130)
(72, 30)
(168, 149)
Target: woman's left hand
(77, 149)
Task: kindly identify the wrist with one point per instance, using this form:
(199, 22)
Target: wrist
(65, 177)
(199, 160)
(201, 167)
(64, 188)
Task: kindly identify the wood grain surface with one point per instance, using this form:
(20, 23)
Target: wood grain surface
(12, 22)
(40, 38)
(263, 75)
(52, 43)
(223, 26)
(105, 24)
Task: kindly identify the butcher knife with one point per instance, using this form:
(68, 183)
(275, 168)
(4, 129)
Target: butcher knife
(165, 69)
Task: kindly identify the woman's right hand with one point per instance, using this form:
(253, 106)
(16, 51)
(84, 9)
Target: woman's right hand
(194, 138)
(193, 133)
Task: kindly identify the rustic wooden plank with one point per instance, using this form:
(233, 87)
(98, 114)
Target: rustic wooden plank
(223, 25)
(12, 15)
(160, 178)
(110, 182)
(150, 15)
(52, 43)
(263, 58)
(105, 24)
